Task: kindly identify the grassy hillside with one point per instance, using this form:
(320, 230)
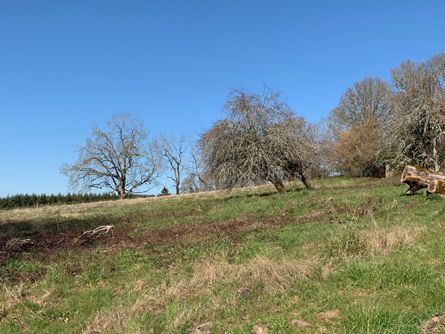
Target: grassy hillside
(352, 256)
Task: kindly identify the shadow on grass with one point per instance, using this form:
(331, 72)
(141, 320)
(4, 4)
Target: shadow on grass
(30, 228)
(43, 236)
(263, 194)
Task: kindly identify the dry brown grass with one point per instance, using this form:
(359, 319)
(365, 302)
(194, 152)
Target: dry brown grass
(274, 275)
(111, 321)
(328, 316)
(327, 269)
(14, 301)
(376, 240)
(74, 210)
(435, 325)
(380, 241)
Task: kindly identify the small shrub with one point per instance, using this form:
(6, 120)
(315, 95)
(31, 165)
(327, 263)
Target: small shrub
(164, 192)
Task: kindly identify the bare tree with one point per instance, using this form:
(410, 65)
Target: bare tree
(418, 124)
(175, 154)
(366, 100)
(260, 140)
(118, 159)
(358, 125)
(294, 145)
(197, 178)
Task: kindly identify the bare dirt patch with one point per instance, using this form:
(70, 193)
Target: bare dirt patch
(328, 316)
(434, 325)
(234, 228)
(44, 243)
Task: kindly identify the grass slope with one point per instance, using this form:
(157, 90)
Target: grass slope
(352, 256)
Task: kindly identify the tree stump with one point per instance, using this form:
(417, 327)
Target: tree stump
(419, 178)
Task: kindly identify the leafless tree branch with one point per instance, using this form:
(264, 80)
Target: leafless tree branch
(118, 159)
(260, 140)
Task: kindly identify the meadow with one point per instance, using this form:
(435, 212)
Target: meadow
(350, 256)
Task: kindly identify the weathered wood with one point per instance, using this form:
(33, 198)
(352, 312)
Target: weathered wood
(415, 178)
(436, 187)
(419, 178)
(98, 232)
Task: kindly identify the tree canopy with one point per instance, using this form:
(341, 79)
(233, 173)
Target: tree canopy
(418, 123)
(260, 140)
(118, 158)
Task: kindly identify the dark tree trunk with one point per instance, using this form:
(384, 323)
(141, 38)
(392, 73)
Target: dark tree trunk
(306, 182)
(121, 190)
(177, 178)
(177, 188)
(279, 186)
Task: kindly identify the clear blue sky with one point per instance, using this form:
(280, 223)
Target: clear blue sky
(66, 65)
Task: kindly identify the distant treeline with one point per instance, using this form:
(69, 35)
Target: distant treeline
(30, 200)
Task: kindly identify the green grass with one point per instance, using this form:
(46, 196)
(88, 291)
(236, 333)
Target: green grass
(372, 262)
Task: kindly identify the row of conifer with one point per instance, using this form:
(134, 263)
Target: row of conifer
(33, 200)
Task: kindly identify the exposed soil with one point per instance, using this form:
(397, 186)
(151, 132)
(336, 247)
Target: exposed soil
(44, 244)
(328, 316)
(434, 325)
(234, 228)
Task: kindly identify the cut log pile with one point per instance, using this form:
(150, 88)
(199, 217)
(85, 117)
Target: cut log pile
(419, 178)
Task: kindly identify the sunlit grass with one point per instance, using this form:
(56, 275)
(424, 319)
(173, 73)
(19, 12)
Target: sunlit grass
(372, 263)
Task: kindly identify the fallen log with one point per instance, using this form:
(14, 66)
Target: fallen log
(436, 187)
(419, 178)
